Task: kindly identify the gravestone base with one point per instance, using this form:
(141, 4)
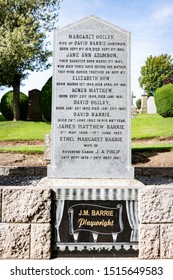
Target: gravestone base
(94, 217)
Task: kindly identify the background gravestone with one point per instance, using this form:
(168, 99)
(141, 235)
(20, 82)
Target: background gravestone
(34, 111)
(91, 102)
(144, 98)
(151, 107)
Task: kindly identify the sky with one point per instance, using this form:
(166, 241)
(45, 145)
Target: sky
(150, 23)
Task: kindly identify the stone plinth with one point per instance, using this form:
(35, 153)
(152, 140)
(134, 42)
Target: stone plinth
(96, 213)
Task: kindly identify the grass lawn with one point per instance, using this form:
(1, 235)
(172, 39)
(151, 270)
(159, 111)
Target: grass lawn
(27, 149)
(22, 130)
(143, 127)
(151, 126)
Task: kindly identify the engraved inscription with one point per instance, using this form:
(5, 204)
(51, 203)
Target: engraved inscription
(91, 101)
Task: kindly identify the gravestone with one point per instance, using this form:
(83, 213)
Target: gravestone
(34, 111)
(144, 98)
(95, 194)
(151, 107)
(91, 102)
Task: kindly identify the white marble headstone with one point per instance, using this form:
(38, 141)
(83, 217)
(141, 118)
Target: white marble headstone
(151, 107)
(91, 134)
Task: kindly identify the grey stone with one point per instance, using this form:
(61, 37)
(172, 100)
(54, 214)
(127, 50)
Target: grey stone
(26, 205)
(156, 204)
(14, 241)
(40, 241)
(34, 110)
(167, 241)
(91, 102)
(133, 112)
(4, 171)
(149, 241)
(144, 97)
(151, 107)
(47, 148)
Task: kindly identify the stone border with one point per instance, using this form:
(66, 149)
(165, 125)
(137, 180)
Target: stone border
(23, 171)
(25, 223)
(42, 171)
(156, 222)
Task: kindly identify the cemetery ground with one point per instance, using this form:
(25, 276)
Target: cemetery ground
(22, 142)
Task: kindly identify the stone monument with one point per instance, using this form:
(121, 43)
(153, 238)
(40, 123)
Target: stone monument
(151, 106)
(95, 194)
(144, 98)
(34, 111)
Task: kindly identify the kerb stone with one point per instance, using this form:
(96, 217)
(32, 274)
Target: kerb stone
(26, 205)
(149, 240)
(167, 241)
(156, 204)
(40, 241)
(14, 241)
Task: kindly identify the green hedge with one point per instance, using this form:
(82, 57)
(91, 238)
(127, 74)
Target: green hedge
(138, 104)
(6, 106)
(164, 100)
(46, 99)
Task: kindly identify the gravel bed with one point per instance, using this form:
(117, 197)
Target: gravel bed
(34, 180)
(153, 180)
(19, 181)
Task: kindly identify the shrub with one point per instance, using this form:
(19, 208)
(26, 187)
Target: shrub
(138, 104)
(7, 106)
(46, 99)
(164, 100)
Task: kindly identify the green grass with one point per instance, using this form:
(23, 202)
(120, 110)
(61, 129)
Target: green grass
(23, 130)
(30, 149)
(148, 147)
(151, 126)
(143, 127)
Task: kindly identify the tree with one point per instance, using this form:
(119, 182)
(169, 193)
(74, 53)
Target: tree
(155, 71)
(24, 25)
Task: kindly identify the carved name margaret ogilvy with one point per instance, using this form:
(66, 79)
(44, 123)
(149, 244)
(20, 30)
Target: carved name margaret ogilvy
(91, 102)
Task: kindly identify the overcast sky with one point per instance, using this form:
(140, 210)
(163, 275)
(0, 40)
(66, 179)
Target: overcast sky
(149, 21)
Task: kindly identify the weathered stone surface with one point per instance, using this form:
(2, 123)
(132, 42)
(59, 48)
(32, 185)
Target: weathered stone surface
(26, 205)
(149, 241)
(167, 241)
(47, 147)
(84, 144)
(14, 241)
(156, 204)
(40, 241)
(34, 110)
